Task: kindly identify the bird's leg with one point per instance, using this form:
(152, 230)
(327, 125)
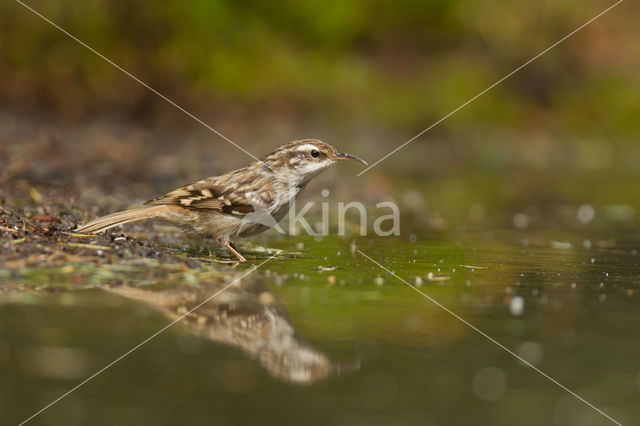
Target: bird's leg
(229, 246)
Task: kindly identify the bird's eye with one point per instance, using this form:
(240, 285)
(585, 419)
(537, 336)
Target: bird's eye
(314, 153)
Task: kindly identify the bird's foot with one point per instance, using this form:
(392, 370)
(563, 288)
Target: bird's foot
(229, 246)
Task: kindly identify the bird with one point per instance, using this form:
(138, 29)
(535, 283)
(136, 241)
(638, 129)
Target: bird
(237, 204)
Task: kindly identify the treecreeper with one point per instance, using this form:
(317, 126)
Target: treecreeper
(236, 204)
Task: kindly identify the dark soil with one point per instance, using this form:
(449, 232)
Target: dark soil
(50, 184)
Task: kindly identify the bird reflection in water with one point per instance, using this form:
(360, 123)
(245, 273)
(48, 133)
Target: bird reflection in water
(247, 316)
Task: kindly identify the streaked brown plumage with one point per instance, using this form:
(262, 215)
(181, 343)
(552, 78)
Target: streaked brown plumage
(224, 207)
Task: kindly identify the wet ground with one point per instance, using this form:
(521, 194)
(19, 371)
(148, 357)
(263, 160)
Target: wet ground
(351, 345)
(319, 334)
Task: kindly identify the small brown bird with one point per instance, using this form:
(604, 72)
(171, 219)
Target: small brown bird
(240, 203)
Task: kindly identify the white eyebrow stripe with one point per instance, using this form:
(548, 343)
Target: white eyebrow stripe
(307, 147)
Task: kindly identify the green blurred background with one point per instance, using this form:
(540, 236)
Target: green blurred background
(364, 74)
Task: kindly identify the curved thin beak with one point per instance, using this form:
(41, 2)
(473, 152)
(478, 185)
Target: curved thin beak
(345, 156)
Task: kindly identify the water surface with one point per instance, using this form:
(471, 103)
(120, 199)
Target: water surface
(325, 336)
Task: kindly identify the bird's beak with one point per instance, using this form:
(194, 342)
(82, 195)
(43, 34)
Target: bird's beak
(345, 156)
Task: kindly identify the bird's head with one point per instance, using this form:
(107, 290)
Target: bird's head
(302, 160)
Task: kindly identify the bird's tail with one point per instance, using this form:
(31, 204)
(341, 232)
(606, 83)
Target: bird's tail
(107, 222)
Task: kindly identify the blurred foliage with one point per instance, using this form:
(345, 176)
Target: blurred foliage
(398, 66)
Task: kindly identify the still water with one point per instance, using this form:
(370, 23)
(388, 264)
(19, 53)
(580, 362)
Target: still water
(327, 337)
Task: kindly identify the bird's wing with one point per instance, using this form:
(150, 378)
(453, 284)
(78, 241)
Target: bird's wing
(221, 194)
